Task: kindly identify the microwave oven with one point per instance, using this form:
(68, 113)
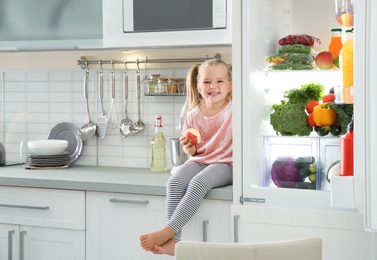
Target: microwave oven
(134, 24)
(173, 15)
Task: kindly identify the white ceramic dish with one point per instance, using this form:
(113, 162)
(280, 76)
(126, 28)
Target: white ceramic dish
(47, 147)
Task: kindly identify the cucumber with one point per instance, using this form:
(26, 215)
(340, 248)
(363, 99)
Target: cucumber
(333, 170)
(303, 161)
(305, 185)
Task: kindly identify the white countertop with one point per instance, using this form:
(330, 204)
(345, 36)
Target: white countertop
(94, 178)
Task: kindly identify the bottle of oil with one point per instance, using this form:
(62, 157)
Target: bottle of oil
(159, 147)
(336, 44)
(346, 64)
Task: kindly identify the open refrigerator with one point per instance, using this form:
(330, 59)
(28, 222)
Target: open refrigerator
(255, 37)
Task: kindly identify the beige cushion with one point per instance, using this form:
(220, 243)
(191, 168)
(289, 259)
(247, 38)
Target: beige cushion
(298, 249)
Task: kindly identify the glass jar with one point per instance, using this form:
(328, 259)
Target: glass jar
(162, 86)
(172, 87)
(181, 86)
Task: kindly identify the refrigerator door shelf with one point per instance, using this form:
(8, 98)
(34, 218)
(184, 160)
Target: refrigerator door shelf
(342, 192)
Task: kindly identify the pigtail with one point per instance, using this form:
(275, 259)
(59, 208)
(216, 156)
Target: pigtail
(193, 96)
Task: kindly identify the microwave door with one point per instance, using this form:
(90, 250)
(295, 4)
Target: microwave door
(173, 15)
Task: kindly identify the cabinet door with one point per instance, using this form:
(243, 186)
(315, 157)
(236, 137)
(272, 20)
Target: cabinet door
(9, 241)
(51, 243)
(342, 233)
(210, 224)
(115, 222)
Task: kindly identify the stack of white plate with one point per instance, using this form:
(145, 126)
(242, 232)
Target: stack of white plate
(57, 160)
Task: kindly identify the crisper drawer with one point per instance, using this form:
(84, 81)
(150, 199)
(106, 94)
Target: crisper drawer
(42, 207)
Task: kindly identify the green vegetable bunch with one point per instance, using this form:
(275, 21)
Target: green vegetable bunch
(344, 113)
(289, 117)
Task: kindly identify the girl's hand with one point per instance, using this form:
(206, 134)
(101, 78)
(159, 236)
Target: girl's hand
(188, 148)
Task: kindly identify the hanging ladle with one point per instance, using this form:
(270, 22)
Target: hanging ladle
(113, 117)
(138, 126)
(126, 122)
(88, 130)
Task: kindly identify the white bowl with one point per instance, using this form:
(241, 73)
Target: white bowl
(47, 147)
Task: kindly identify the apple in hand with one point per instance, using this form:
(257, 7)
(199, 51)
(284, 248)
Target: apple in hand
(324, 60)
(193, 136)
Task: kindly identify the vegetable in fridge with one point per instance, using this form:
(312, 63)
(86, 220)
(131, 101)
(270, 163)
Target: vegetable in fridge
(344, 114)
(300, 58)
(295, 48)
(284, 172)
(323, 115)
(303, 39)
(290, 119)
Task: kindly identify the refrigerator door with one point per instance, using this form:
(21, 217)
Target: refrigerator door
(366, 105)
(264, 23)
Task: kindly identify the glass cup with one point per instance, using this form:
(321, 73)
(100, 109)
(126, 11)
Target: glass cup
(344, 12)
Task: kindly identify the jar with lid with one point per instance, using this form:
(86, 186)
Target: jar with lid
(172, 87)
(162, 86)
(181, 85)
(152, 83)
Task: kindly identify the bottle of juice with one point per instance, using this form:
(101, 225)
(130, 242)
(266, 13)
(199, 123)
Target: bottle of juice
(346, 149)
(159, 147)
(336, 44)
(346, 65)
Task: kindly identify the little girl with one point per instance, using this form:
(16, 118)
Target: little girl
(210, 162)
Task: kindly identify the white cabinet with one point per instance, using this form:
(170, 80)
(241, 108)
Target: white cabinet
(115, 221)
(42, 224)
(342, 233)
(211, 223)
(50, 24)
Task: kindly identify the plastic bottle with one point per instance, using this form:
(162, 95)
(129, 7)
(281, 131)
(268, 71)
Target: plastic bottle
(346, 150)
(346, 64)
(336, 44)
(159, 148)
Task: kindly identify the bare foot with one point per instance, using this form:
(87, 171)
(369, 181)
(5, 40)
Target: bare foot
(158, 238)
(167, 248)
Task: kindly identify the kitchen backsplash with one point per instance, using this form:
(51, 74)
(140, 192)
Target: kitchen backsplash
(33, 102)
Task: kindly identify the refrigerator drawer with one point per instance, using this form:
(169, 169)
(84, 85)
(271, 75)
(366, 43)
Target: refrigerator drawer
(298, 162)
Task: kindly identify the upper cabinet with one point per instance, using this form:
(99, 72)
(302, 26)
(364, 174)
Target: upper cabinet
(166, 23)
(50, 24)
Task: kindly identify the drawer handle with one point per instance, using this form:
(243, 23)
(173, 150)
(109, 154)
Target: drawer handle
(205, 230)
(24, 206)
(10, 244)
(142, 202)
(22, 244)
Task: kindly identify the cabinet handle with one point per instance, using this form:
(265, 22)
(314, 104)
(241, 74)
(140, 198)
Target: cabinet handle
(205, 230)
(236, 220)
(10, 244)
(22, 244)
(143, 202)
(24, 206)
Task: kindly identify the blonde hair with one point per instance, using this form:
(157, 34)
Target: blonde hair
(193, 96)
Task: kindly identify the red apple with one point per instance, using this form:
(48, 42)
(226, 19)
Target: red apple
(324, 60)
(193, 135)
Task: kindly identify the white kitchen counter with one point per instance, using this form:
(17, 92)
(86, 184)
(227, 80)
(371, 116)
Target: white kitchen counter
(92, 178)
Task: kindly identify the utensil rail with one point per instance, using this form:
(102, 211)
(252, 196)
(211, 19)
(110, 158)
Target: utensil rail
(83, 62)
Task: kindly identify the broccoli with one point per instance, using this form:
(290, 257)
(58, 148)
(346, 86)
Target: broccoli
(344, 113)
(290, 119)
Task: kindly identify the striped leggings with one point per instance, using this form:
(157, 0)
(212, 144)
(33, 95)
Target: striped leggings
(187, 187)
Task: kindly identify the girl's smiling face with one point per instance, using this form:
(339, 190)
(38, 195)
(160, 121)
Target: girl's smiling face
(213, 84)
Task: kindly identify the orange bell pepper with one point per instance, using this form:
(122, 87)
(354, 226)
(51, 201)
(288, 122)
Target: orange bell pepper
(323, 115)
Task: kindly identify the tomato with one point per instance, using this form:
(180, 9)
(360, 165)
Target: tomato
(310, 120)
(310, 106)
(328, 98)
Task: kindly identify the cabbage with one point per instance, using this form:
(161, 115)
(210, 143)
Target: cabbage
(284, 172)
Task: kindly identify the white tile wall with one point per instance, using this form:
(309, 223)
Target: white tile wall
(33, 102)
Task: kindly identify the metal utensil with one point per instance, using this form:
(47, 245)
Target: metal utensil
(103, 120)
(88, 130)
(139, 125)
(124, 125)
(113, 117)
